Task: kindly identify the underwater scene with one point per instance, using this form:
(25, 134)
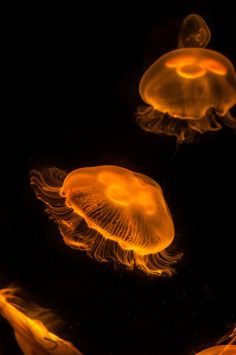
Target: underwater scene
(118, 178)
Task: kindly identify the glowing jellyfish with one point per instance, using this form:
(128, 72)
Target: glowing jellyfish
(188, 90)
(194, 32)
(228, 349)
(112, 213)
(219, 350)
(31, 334)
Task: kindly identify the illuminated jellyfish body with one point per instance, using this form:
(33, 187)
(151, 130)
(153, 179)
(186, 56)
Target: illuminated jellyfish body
(219, 350)
(228, 349)
(194, 32)
(31, 333)
(188, 90)
(112, 213)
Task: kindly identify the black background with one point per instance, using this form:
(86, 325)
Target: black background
(70, 78)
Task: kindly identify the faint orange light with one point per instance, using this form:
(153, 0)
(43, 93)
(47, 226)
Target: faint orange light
(188, 90)
(31, 334)
(112, 213)
(194, 32)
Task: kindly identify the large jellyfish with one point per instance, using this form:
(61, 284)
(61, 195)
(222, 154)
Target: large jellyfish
(228, 349)
(219, 350)
(31, 333)
(188, 90)
(112, 213)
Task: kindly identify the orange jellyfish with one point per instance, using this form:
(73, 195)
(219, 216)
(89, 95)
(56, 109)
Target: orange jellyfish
(194, 32)
(112, 213)
(188, 90)
(228, 349)
(31, 334)
(219, 350)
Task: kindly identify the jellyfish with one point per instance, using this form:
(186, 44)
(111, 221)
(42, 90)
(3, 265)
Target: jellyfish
(228, 349)
(112, 213)
(188, 90)
(31, 333)
(194, 32)
(219, 350)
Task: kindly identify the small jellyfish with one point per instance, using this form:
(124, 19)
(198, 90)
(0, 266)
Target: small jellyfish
(112, 213)
(30, 332)
(188, 90)
(194, 32)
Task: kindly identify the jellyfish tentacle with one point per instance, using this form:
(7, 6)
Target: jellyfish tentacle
(97, 247)
(151, 120)
(157, 264)
(229, 120)
(77, 235)
(207, 123)
(147, 118)
(47, 184)
(154, 121)
(46, 187)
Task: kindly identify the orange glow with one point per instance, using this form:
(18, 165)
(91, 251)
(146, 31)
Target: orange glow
(213, 83)
(214, 67)
(187, 91)
(177, 62)
(192, 71)
(228, 349)
(193, 67)
(112, 213)
(219, 350)
(31, 334)
(194, 32)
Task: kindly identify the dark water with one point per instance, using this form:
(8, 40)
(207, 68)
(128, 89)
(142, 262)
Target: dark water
(70, 80)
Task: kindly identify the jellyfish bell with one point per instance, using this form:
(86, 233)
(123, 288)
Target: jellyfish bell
(188, 82)
(117, 190)
(188, 91)
(193, 32)
(112, 213)
(228, 349)
(219, 350)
